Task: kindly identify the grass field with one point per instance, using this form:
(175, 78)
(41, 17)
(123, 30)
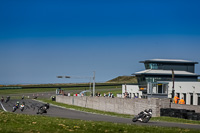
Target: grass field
(101, 89)
(11, 122)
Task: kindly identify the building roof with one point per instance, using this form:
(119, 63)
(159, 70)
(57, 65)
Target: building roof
(169, 61)
(164, 72)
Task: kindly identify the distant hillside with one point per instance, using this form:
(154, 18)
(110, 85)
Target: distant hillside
(123, 79)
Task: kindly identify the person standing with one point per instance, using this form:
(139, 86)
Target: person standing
(176, 98)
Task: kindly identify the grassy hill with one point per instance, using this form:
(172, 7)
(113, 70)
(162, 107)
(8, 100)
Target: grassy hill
(123, 79)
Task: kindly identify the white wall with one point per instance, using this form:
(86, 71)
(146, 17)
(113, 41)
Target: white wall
(188, 88)
(131, 89)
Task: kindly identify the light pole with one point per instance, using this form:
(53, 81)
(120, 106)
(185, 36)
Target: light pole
(94, 84)
(173, 84)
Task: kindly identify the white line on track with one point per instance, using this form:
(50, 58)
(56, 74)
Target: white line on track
(3, 107)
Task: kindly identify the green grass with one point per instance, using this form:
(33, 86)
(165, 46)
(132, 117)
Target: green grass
(11, 122)
(21, 91)
(176, 120)
(38, 90)
(164, 119)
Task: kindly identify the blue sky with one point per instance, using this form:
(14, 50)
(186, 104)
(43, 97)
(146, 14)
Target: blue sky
(40, 40)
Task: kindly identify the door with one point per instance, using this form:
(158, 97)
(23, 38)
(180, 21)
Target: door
(160, 88)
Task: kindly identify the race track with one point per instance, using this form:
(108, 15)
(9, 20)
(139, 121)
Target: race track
(31, 107)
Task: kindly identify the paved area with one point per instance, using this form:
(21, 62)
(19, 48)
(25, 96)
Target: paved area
(55, 111)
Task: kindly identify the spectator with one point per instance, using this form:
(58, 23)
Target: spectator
(108, 94)
(125, 95)
(99, 94)
(176, 98)
(112, 96)
(182, 101)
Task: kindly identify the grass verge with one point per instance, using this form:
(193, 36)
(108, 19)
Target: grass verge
(11, 122)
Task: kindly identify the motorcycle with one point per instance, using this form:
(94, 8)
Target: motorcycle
(22, 107)
(7, 99)
(15, 107)
(143, 116)
(43, 109)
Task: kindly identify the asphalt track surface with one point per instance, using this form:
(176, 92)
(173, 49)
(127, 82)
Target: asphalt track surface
(31, 107)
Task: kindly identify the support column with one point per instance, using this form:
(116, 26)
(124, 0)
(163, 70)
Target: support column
(195, 98)
(188, 98)
(181, 95)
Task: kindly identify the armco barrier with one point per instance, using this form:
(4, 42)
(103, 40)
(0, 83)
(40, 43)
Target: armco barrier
(118, 105)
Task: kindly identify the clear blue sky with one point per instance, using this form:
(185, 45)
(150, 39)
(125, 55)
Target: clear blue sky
(41, 40)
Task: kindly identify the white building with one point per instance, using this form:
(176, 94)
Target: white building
(162, 77)
(190, 91)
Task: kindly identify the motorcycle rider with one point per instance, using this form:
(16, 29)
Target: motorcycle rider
(17, 103)
(23, 97)
(7, 99)
(150, 110)
(2, 99)
(142, 114)
(22, 107)
(15, 107)
(43, 109)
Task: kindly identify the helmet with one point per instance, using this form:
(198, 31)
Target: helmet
(150, 110)
(17, 101)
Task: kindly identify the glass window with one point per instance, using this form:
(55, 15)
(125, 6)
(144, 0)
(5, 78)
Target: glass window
(147, 66)
(158, 88)
(153, 65)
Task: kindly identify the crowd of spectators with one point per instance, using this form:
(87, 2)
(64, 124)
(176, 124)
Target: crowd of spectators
(126, 95)
(109, 94)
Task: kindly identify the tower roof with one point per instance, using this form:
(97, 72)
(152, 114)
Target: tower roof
(164, 72)
(168, 61)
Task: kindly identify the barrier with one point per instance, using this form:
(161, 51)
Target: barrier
(180, 113)
(118, 105)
